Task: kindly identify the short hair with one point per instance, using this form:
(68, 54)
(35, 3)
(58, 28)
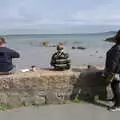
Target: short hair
(60, 46)
(2, 40)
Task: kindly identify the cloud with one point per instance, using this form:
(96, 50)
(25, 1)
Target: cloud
(47, 13)
(103, 15)
(18, 14)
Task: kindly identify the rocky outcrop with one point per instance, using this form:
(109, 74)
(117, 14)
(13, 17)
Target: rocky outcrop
(111, 39)
(50, 87)
(79, 47)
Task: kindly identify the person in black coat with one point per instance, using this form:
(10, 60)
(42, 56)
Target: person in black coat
(60, 60)
(112, 68)
(6, 56)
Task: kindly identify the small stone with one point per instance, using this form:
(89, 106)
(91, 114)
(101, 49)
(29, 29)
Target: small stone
(73, 47)
(14, 100)
(100, 57)
(82, 48)
(38, 100)
(96, 51)
(3, 99)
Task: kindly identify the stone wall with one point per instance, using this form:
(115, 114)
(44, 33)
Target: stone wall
(49, 87)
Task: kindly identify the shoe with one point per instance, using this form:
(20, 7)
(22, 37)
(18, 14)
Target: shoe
(113, 109)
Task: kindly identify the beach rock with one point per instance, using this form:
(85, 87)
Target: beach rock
(100, 57)
(91, 67)
(48, 44)
(82, 48)
(111, 39)
(44, 44)
(73, 47)
(79, 47)
(97, 51)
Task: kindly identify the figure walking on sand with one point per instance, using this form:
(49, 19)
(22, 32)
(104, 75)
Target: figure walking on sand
(60, 60)
(112, 71)
(6, 55)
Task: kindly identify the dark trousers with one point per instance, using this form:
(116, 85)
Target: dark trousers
(115, 85)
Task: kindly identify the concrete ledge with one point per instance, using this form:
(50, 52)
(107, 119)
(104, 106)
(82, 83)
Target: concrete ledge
(49, 87)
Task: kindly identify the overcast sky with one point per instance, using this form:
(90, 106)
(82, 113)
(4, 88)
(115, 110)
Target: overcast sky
(59, 15)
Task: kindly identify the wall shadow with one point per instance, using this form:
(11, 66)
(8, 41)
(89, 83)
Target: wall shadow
(89, 87)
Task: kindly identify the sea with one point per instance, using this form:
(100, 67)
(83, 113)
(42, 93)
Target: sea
(32, 53)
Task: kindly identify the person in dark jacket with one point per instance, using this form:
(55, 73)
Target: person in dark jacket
(112, 68)
(6, 56)
(60, 60)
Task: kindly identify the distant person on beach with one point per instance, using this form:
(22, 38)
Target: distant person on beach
(6, 56)
(112, 71)
(60, 60)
